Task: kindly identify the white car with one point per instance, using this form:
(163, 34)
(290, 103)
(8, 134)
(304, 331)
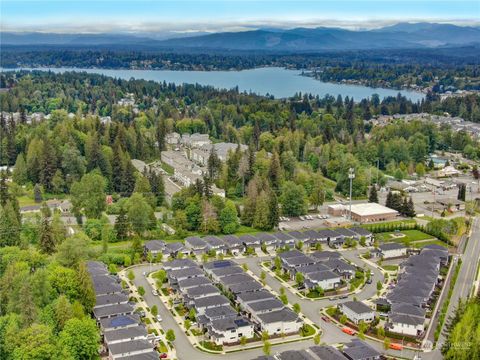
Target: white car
(159, 318)
(155, 292)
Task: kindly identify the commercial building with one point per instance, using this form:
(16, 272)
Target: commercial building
(364, 213)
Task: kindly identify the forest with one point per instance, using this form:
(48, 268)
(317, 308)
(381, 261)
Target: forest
(439, 69)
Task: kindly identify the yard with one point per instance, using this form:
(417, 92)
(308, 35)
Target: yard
(406, 237)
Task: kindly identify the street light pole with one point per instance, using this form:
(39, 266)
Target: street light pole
(351, 176)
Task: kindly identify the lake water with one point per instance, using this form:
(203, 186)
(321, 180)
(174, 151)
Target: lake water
(275, 81)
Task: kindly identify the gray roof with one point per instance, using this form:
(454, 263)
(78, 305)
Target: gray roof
(300, 260)
(295, 355)
(236, 279)
(213, 241)
(151, 355)
(290, 254)
(358, 350)
(174, 246)
(347, 233)
(266, 305)
(195, 242)
(218, 264)
(327, 233)
(188, 272)
(196, 281)
(119, 321)
(391, 246)
(108, 311)
(283, 236)
(232, 241)
(226, 271)
(325, 352)
(249, 239)
(245, 287)
(325, 255)
(322, 275)
(298, 235)
(106, 288)
(357, 307)
(220, 312)
(249, 297)
(201, 290)
(129, 346)
(215, 300)
(312, 268)
(285, 315)
(407, 309)
(361, 231)
(111, 299)
(406, 319)
(125, 333)
(267, 238)
(312, 234)
(230, 323)
(179, 263)
(154, 245)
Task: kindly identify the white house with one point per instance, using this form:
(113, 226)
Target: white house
(357, 311)
(230, 330)
(284, 321)
(406, 324)
(327, 280)
(392, 250)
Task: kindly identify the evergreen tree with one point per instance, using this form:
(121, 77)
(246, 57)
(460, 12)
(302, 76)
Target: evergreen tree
(262, 213)
(213, 164)
(85, 288)
(37, 194)
(20, 175)
(4, 195)
(161, 134)
(128, 178)
(9, 225)
(121, 224)
(48, 165)
(157, 185)
(11, 145)
(207, 187)
(274, 213)
(274, 172)
(409, 208)
(46, 239)
(229, 218)
(373, 196)
(118, 161)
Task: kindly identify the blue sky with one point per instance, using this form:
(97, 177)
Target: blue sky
(224, 15)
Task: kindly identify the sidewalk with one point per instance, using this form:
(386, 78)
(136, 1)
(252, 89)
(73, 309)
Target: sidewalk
(154, 324)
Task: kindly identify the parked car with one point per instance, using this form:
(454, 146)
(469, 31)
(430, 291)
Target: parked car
(159, 318)
(326, 319)
(394, 346)
(154, 292)
(348, 331)
(163, 356)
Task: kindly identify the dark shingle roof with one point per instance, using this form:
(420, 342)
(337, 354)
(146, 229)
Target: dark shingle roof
(357, 307)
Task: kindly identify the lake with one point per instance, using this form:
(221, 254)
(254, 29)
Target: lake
(275, 81)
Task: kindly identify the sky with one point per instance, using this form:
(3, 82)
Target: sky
(184, 16)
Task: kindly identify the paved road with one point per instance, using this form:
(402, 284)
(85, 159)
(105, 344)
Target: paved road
(467, 274)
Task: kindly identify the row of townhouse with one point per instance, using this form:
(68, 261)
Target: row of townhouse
(235, 245)
(325, 269)
(354, 350)
(418, 277)
(260, 306)
(214, 314)
(390, 251)
(124, 335)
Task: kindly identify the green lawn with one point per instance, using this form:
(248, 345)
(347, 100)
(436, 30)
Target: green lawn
(390, 267)
(411, 236)
(430, 242)
(307, 330)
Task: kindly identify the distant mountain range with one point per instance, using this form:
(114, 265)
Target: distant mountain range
(402, 35)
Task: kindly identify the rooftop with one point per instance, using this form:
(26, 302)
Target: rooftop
(285, 315)
(371, 209)
(357, 307)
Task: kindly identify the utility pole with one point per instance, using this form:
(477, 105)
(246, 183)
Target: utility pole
(351, 176)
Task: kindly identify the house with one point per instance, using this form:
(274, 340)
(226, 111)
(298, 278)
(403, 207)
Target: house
(331, 237)
(215, 245)
(300, 237)
(112, 310)
(347, 233)
(250, 297)
(174, 248)
(230, 330)
(204, 303)
(405, 324)
(368, 235)
(194, 293)
(174, 276)
(326, 352)
(235, 279)
(138, 332)
(357, 311)
(264, 306)
(360, 350)
(183, 285)
(219, 273)
(196, 245)
(154, 247)
(346, 270)
(278, 322)
(284, 239)
(178, 264)
(173, 138)
(250, 242)
(119, 322)
(234, 245)
(249, 286)
(112, 299)
(268, 240)
(129, 348)
(195, 140)
(391, 250)
(327, 280)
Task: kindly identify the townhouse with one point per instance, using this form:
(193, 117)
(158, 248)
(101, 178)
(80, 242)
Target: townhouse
(390, 251)
(357, 311)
